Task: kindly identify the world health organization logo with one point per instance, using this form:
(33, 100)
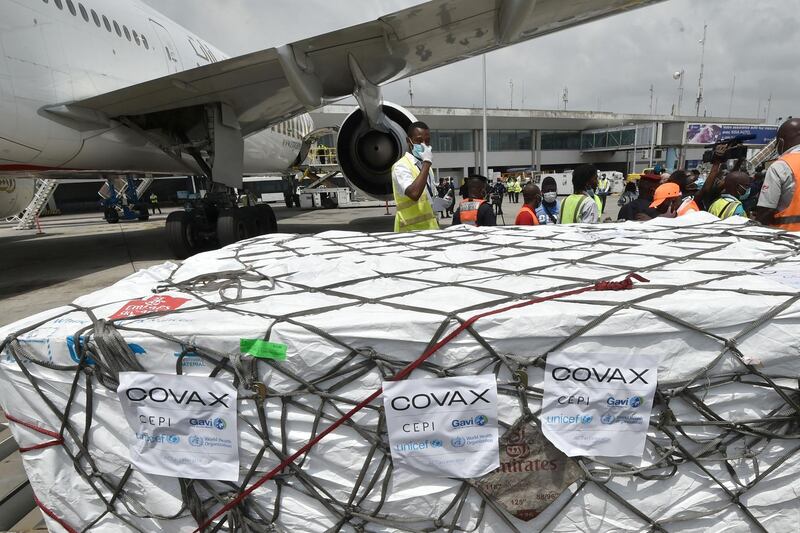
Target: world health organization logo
(458, 442)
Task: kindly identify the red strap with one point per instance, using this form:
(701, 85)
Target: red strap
(627, 283)
(58, 438)
(52, 515)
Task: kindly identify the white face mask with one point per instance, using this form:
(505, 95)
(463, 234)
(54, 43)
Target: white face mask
(550, 197)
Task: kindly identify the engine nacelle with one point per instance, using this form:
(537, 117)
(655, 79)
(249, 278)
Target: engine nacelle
(15, 195)
(366, 155)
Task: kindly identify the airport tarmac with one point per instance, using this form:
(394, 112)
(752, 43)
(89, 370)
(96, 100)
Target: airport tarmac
(78, 254)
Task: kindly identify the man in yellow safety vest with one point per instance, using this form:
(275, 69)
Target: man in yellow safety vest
(582, 206)
(412, 182)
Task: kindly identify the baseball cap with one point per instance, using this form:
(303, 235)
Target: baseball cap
(665, 192)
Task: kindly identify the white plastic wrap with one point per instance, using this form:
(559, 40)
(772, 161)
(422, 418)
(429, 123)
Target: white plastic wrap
(354, 308)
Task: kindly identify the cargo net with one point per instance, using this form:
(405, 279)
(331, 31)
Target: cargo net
(355, 309)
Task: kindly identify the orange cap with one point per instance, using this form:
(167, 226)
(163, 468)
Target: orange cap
(665, 192)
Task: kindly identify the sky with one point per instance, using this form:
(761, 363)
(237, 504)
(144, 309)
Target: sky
(607, 65)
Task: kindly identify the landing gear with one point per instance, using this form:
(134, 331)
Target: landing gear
(241, 223)
(204, 225)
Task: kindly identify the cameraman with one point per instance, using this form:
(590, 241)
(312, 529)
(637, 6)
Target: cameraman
(497, 193)
(779, 202)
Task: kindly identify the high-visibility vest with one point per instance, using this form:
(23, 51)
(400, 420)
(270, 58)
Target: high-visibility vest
(688, 206)
(602, 185)
(411, 215)
(468, 211)
(571, 206)
(789, 218)
(533, 214)
(723, 207)
(517, 187)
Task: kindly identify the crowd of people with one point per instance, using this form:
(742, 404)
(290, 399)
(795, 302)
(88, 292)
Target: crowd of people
(771, 197)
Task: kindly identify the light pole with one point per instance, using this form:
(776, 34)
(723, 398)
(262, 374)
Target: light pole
(702, 65)
(679, 76)
(485, 143)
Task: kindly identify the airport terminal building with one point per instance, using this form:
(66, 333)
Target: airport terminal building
(558, 140)
(518, 139)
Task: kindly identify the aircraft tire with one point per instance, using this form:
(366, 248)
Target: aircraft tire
(111, 215)
(265, 219)
(182, 237)
(234, 225)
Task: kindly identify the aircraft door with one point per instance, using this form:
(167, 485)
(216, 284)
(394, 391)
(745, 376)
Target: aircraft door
(168, 48)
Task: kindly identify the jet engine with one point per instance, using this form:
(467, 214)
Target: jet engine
(366, 154)
(15, 195)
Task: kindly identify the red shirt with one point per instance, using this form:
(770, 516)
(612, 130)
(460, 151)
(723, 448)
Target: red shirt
(526, 217)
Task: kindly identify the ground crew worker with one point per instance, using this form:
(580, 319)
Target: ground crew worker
(582, 206)
(527, 214)
(412, 182)
(549, 209)
(736, 188)
(688, 187)
(639, 209)
(603, 190)
(154, 203)
(475, 210)
(510, 189)
(516, 189)
(779, 201)
(667, 199)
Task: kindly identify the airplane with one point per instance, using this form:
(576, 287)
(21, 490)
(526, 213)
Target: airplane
(103, 89)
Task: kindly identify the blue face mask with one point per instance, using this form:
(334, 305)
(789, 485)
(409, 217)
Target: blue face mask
(745, 196)
(417, 150)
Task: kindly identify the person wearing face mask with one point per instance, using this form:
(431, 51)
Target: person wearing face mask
(527, 214)
(413, 183)
(548, 210)
(736, 188)
(582, 206)
(779, 201)
(687, 184)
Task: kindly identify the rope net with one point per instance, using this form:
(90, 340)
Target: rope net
(356, 309)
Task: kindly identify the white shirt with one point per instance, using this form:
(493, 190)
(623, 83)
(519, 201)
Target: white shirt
(588, 213)
(778, 189)
(402, 178)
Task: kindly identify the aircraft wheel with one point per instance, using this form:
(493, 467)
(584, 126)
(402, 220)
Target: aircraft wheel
(234, 225)
(182, 237)
(111, 215)
(265, 220)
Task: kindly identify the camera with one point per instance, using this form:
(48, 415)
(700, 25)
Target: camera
(736, 150)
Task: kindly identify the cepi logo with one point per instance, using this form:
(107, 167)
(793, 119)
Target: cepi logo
(218, 423)
(479, 420)
(633, 402)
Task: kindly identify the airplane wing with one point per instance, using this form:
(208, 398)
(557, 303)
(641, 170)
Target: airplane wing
(270, 86)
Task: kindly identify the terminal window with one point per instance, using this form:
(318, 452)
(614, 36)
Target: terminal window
(510, 140)
(561, 140)
(452, 140)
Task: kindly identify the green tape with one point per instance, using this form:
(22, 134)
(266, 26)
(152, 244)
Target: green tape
(263, 349)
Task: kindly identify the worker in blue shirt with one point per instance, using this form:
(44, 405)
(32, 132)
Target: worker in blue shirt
(548, 209)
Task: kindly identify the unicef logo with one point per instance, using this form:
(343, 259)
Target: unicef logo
(607, 419)
(635, 401)
(481, 420)
(173, 439)
(220, 424)
(436, 443)
(586, 419)
(458, 442)
(196, 441)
